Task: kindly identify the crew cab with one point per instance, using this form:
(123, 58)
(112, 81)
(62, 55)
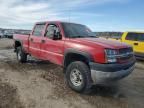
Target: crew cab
(86, 59)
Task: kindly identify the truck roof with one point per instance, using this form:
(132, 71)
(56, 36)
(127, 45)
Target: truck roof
(52, 22)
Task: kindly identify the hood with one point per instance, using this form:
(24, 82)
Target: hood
(100, 42)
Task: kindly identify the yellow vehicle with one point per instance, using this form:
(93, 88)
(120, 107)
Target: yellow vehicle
(136, 39)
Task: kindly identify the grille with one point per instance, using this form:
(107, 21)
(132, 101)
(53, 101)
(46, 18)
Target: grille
(125, 50)
(128, 54)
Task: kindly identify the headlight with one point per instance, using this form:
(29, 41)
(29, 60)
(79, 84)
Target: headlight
(111, 55)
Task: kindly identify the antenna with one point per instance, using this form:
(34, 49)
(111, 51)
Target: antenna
(69, 15)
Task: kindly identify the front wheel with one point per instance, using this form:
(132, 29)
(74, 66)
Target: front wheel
(78, 77)
(21, 56)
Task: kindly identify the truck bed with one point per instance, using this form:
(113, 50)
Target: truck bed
(24, 39)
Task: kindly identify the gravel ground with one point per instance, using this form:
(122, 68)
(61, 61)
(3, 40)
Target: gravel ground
(6, 43)
(8, 96)
(39, 84)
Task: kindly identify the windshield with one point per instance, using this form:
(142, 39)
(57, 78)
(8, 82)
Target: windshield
(77, 30)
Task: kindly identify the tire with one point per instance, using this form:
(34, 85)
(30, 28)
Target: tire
(21, 56)
(83, 76)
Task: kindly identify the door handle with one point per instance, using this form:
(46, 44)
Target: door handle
(42, 41)
(135, 43)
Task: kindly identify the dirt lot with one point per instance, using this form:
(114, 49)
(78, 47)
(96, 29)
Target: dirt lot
(38, 84)
(6, 43)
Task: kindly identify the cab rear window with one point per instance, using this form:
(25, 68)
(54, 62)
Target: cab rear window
(135, 36)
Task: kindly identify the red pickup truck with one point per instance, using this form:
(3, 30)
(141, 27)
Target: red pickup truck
(86, 59)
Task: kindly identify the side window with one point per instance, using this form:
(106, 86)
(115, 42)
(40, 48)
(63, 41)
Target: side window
(132, 36)
(50, 29)
(38, 29)
(141, 37)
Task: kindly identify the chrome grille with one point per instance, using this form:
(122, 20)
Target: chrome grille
(125, 50)
(126, 54)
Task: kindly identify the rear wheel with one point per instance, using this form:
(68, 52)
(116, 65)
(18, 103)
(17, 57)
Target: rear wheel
(21, 56)
(78, 77)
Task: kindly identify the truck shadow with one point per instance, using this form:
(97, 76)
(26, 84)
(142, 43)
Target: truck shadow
(38, 62)
(107, 91)
(55, 75)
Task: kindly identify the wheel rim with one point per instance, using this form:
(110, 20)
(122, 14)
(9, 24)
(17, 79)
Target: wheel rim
(76, 77)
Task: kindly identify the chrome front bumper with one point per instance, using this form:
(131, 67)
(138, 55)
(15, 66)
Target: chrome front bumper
(102, 77)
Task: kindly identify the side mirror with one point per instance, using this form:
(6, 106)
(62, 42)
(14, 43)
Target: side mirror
(56, 35)
(53, 34)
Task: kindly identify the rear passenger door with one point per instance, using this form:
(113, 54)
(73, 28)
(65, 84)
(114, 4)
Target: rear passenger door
(35, 40)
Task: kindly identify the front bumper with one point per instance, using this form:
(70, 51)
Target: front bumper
(109, 73)
(139, 55)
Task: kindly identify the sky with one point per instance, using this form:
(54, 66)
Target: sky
(98, 15)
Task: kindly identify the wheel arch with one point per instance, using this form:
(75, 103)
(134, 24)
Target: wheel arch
(17, 43)
(72, 55)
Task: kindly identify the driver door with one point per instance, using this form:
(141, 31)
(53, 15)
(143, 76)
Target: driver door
(52, 49)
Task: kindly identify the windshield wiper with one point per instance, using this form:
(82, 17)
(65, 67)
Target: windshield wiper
(92, 36)
(77, 36)
(83, 36)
